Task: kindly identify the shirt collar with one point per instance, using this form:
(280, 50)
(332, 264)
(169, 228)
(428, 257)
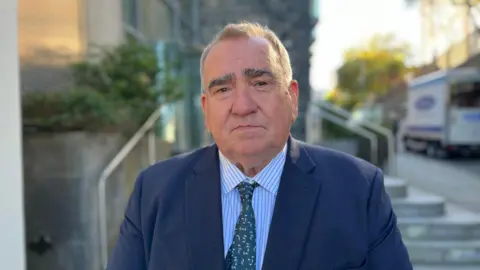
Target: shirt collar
(268, 177)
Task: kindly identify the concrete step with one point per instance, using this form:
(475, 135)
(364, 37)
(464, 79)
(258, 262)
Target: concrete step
(419, 206)
(438, 236)
(395, 188)
(454, 226)
(444, 253)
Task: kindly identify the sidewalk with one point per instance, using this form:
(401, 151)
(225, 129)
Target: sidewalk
(460, 187)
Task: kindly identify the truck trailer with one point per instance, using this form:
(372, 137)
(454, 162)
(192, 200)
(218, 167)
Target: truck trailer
(443, 113)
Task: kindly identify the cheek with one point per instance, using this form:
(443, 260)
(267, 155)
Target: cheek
(276, 107)
(216, 118)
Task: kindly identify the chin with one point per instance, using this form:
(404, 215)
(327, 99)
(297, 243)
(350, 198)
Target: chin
(250, 147)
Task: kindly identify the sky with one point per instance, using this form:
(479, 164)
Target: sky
(346, 23)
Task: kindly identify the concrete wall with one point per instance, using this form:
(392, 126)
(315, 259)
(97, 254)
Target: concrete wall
(12, 248)
(103, 23)
(314, 125)
(61, 176)
(61, 172)
(361, 148)
(347, 146)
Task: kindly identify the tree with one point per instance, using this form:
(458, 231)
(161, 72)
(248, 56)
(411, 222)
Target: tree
(370, 69)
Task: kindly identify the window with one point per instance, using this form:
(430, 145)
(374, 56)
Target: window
(130, 13)
(465, 95)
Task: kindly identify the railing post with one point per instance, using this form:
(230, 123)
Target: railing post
(102, 214)
(392, 163)
(152, 148)
(147, 129)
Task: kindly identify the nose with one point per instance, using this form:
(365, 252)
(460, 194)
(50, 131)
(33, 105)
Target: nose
(243, 103)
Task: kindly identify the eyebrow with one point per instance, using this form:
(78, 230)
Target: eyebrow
(225, 79)
(247, 72)
(257, 72)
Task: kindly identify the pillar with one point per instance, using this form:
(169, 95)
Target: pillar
(12, 249)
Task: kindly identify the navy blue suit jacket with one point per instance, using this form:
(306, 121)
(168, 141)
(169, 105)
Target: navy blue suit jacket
(331, 212)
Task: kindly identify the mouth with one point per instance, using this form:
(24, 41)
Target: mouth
(246, 127)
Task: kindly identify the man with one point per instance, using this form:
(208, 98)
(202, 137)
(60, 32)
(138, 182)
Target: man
(257, 198)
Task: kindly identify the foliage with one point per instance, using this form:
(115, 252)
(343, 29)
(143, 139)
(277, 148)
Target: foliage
(119, 86)
(342, 99)
(370, 70)
(72, 110)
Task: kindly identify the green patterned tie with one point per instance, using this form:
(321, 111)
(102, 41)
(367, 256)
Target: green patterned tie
(242, 254)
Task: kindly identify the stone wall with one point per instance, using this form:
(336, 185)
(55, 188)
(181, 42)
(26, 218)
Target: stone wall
(346, 145)
(61, 172)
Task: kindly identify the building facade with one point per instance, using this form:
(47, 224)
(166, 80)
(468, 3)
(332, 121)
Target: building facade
(449, 32)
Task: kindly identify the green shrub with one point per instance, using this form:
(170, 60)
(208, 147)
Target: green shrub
(72, 110)
(115, 89)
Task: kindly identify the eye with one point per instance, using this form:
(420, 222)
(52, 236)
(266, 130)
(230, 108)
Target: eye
(221, 90)
(260, 83)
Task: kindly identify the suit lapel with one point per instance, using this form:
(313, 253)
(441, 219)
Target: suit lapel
(295, 203)
(204, 213)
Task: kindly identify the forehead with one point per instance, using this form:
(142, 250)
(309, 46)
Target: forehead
(234, 55)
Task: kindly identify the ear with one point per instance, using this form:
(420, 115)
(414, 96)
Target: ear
(204, 102)
(293, 92)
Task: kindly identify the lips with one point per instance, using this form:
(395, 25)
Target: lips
(240, 127)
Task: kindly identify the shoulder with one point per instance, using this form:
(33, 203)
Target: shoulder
(160, 176)
(176, 163)
(345, 176)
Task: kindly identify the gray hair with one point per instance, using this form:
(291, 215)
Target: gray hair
(249, 30)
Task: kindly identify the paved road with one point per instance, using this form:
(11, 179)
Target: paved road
(471, 165)
(457, 181)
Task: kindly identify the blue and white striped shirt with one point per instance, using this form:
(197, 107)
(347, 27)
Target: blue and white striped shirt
(263, 199)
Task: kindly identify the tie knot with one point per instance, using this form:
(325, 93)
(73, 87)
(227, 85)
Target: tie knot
(246, 191)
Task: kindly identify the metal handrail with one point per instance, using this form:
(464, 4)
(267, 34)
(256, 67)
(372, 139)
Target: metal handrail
(358, 130)
(377, 128)
(145, 129)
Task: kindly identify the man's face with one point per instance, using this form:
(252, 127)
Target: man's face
(248, 104)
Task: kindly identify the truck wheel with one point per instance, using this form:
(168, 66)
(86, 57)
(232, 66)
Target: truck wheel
(406, 147)
(443, 153)
(432, 150)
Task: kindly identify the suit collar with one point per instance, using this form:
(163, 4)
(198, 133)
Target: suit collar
(294, 207)
(204, 212)
(298, 156)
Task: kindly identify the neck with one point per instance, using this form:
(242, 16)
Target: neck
(253, 164)
(251, 171)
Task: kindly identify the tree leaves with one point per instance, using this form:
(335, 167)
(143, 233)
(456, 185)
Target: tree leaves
(115, 86)
(371, 68)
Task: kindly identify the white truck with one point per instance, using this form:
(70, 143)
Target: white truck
(443, 113)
